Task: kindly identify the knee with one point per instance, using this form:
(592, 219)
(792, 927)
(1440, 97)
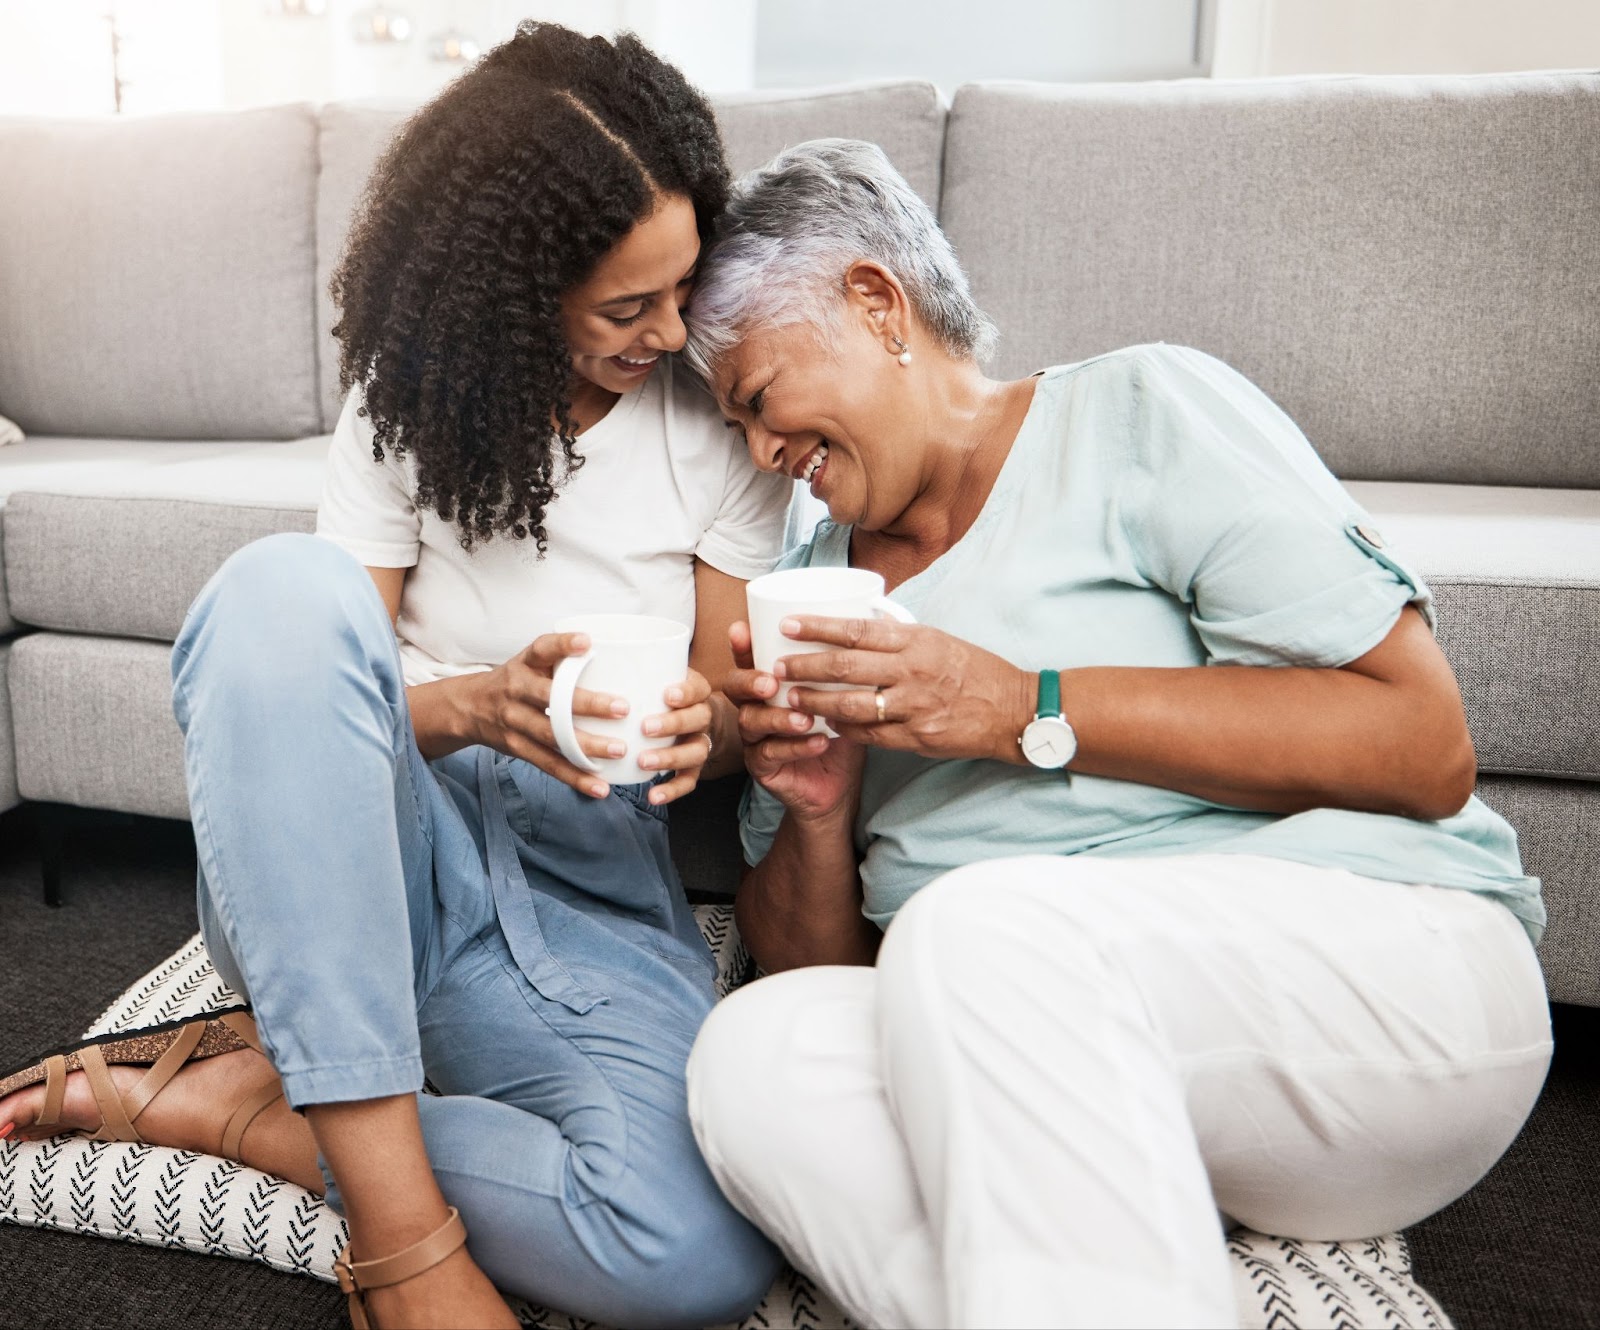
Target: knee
(289, 578)
(682, 1255)
(714, 1268)
(281, 606)
(739, 1067)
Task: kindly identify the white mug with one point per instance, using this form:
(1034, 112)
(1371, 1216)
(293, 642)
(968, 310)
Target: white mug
(636, 657)
(835, 593)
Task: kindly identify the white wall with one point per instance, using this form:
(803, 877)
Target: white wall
(227, 54)
(1271, 37)
(205, 54)
(55, 55)
(951, 42)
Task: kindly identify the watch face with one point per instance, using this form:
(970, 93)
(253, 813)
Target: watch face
(1049, 742)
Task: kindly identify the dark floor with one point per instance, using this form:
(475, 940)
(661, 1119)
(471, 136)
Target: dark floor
(1521, 1250)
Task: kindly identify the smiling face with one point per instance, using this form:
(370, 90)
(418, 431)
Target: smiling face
(621, 318)
(839, 413)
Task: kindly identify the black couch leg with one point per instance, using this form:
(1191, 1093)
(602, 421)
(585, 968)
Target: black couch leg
(51, 822)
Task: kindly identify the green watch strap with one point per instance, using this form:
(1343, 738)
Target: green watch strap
(1049, 694)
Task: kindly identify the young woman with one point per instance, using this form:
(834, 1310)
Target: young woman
(397, 866)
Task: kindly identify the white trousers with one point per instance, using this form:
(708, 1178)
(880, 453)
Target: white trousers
(1032, 1111)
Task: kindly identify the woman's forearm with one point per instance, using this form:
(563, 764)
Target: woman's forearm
(1276, 740)
(727, 750)
(442, 716)
(802, 904)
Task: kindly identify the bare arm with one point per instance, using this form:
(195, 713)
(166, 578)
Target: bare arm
(441, 712)
(718, 602)
(1385, 733)
(801, 905)
(391, 584)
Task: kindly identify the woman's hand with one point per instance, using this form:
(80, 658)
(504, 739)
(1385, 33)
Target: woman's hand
(690, 720)
(505, 708)
(940, 696)
(815, 778)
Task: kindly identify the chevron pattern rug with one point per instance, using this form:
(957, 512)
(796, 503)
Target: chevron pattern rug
(172, 1198)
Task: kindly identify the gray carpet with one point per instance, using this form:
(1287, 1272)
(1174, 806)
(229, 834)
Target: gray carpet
(1520, 1250)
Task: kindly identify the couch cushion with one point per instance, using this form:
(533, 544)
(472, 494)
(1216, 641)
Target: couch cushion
(1558, 829)
(155, 275)
(1516, 573)
(352, 136)
(110, 536)
(93, 724)
(905, 118)
(8, 753)
(1410, 266)
(82, 463)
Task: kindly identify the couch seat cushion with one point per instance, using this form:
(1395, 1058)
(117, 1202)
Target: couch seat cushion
(1516, 573)
(117, 536)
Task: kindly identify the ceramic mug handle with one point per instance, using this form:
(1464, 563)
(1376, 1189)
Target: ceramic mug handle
(563, 685)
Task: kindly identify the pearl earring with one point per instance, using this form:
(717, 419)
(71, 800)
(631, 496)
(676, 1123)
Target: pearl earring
(905, 352)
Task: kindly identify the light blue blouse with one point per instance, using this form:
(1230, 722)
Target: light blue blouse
(1157, 509)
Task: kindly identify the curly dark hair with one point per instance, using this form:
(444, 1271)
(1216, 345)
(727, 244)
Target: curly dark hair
(496, 198)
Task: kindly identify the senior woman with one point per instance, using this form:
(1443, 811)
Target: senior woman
(1165, 806)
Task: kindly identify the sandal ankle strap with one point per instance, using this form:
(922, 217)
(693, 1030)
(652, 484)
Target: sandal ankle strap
(362, 1276)
(250, 1108)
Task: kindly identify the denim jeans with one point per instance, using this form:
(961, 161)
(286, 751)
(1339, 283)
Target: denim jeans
(527, 948)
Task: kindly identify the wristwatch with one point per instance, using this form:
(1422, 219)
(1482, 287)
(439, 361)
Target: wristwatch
(1049, 741)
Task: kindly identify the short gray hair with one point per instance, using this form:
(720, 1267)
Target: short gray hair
(791, 232)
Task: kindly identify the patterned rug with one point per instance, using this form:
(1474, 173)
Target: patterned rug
(172, 1198)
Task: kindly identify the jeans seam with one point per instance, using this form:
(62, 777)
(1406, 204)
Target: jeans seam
(317, 1069)
(206, 848)
(517, 802)
(405, 740)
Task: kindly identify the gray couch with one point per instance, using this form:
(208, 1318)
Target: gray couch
(1411, 267)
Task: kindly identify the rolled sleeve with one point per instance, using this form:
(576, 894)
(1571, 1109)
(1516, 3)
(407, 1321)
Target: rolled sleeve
(760, 816)
(367, 507)
(1235, 514)
(746, 537)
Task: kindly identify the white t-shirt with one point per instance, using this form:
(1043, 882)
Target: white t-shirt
(664, 482)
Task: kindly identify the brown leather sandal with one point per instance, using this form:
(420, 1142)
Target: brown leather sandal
(164, 1049)
(356, 1278)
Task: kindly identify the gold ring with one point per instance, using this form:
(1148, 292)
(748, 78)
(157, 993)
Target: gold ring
(883, 705)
